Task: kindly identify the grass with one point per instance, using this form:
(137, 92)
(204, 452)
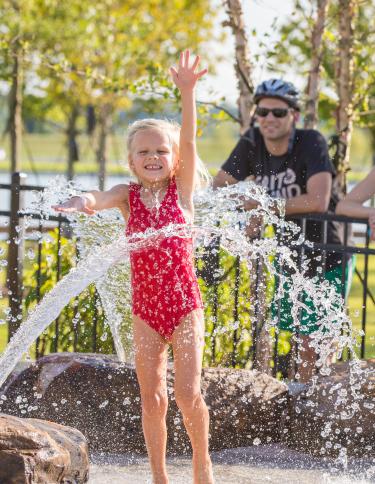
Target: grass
(47, 152)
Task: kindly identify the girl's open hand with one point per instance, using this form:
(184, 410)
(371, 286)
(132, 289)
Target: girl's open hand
(185, 76)
(74, 204)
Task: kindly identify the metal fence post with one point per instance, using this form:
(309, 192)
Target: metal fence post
(15, 254)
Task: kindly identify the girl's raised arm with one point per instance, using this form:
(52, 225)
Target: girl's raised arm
(186, 79)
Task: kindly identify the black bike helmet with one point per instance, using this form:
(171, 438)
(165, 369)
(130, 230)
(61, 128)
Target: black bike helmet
(279, 89)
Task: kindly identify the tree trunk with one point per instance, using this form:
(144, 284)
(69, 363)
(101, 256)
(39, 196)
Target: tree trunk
(242, 61)
(348, 10)
(263, 343)
(312, 93)
(71, 133)
(16, 253)
(15, 109)
(104, 123)
(372, 134)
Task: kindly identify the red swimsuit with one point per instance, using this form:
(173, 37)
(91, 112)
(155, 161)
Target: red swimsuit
(164, 285)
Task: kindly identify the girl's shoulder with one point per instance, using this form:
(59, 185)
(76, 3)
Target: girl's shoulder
(119, 194)
(119, 197)
(121, 189)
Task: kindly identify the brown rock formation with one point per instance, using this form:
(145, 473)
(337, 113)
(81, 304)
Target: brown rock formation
(37, 451)
(338, 413)
(100, 397)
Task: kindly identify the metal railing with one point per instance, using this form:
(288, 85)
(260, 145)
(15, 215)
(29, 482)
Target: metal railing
(346, 250)
(17, 237)
(236, 355)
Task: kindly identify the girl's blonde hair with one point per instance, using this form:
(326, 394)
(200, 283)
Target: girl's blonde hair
(172, 130)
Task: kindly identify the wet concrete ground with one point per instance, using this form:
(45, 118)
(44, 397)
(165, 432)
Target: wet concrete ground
(266, 464)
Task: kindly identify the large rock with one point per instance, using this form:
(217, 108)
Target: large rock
(100, 396)
(35, 451)
(337, 415)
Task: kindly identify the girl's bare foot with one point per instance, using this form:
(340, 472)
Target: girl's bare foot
(202, 470)
(160, 479)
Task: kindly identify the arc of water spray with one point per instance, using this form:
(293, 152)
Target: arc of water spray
(87, 271)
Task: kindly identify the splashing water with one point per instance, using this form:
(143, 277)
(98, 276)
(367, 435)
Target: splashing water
(94, 266)
(104, 259)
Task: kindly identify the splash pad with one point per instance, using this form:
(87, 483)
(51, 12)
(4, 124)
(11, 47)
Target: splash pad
(105, 261)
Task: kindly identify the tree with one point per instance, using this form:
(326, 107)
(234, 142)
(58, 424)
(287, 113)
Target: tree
(132, 44)
(242, 64)
(119, 43)
(312, 89)
(29, 36)
(347, 66)
(14, 42)
(344, 78)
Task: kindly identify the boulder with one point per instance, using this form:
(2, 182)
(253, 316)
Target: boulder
(37, 451)
(100, 396)
(336, 416)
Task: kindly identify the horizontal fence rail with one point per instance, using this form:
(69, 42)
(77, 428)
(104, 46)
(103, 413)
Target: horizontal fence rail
(243, 313)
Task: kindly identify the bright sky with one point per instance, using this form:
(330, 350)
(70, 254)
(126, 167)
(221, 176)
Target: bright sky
(259, 15)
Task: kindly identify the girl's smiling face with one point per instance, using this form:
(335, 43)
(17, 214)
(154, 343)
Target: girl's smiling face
(151, 157)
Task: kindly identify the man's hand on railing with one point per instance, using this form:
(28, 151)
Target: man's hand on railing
(249, 204)
(254, 227)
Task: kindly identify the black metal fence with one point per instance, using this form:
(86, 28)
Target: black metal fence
(237, 352)
(20, 290)
(347, 250)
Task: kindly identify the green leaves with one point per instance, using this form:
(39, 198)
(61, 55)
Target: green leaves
(76, 321)
(293, 53)
(99, 53)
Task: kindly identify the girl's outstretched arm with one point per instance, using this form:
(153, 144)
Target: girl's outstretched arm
(186, 79)
(91, 202)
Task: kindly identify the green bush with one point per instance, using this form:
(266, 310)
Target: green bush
(229, 311)
(77, 322)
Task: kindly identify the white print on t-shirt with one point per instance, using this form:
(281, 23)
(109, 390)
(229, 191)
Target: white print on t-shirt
(281, 185)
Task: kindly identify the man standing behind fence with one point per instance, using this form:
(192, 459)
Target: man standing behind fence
(292, 164)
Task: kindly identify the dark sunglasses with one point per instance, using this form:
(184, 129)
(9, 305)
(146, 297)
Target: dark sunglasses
(277, 112)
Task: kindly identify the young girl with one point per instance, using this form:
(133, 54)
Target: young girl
(167, 306)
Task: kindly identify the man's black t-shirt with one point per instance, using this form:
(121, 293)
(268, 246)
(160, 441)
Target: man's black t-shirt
(286, 176)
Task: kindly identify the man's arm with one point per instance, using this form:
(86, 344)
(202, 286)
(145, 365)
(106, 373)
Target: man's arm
(319, 172)
(223, 179)
(316, 199)
(238, 166)
(352, 204)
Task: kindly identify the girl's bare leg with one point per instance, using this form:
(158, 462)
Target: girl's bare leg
(188, 343)
(151, 367)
